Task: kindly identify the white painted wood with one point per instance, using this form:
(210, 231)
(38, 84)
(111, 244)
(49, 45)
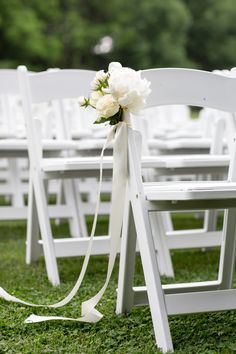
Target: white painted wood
(13, 148)
(186, 190)
(9, 82)
(172, 87)
(57, 85)
(197, 302)
(147, 251)
(161, 245)
(125, 300)
(180, 86)
(217, 147)
(61, 84)
(72, 247)
(15, 181)
(32, 237)
(9, 92)
(201, 302)
(185, 239)
(45, 228)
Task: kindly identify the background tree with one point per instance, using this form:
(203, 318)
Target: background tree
(140, 34)
(151, 33)
(26, 35)
(212, 36)
(65, 33)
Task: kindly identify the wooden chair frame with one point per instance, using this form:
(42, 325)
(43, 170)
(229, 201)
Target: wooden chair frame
(197, 88)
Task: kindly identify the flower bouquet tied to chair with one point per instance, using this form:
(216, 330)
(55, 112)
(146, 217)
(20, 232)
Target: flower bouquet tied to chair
(116, 91)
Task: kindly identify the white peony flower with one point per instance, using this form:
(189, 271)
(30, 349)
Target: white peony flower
(81, 100)
(95, 96)
(114, 66)
(107, 106)
(129, 89)
(132, 102)
(101, 76)
(117, 90)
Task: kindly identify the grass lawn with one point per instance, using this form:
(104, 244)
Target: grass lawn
(201, 333)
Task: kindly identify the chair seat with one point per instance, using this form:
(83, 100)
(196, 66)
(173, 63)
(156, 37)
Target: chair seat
(173, 161)
(188, 190)
(93, 143)
(48, 144)
(81, 134)
(76, 164)
(93, 163)
(59, 144)
(181, 143)
(4, 134)
(184, 134)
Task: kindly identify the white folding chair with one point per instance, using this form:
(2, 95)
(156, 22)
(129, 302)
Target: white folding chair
(12, 184)
(55, 87)
(197, 88)
(13, 148)
(187, 167)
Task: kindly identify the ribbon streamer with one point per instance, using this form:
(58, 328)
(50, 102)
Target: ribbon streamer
(89, 313)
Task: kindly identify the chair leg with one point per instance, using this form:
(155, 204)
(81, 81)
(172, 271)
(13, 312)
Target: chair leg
(14, 173)
(60, 199)
(72, 201)
(166, 220)
(161, 246)
(80, 212)
(33, 250)
(152, 276)
(210, 220)
(127, 263)
(228, 250)
(45, 229)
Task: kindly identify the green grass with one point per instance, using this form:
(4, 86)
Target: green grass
(133, 333)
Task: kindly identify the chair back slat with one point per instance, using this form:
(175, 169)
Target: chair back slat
(196, 88)
(9, 94)
(59, 84)
(9, 82)
(191, 87)
(52, 87)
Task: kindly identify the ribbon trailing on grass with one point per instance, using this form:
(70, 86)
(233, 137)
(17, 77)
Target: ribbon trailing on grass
(118, 134)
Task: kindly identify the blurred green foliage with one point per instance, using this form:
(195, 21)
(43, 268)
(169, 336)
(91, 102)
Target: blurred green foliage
(138, 33)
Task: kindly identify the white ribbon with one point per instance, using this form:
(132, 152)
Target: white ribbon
(88, 310)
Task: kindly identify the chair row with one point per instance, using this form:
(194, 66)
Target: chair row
(62, 158)
(57, 88)
(197, 88)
